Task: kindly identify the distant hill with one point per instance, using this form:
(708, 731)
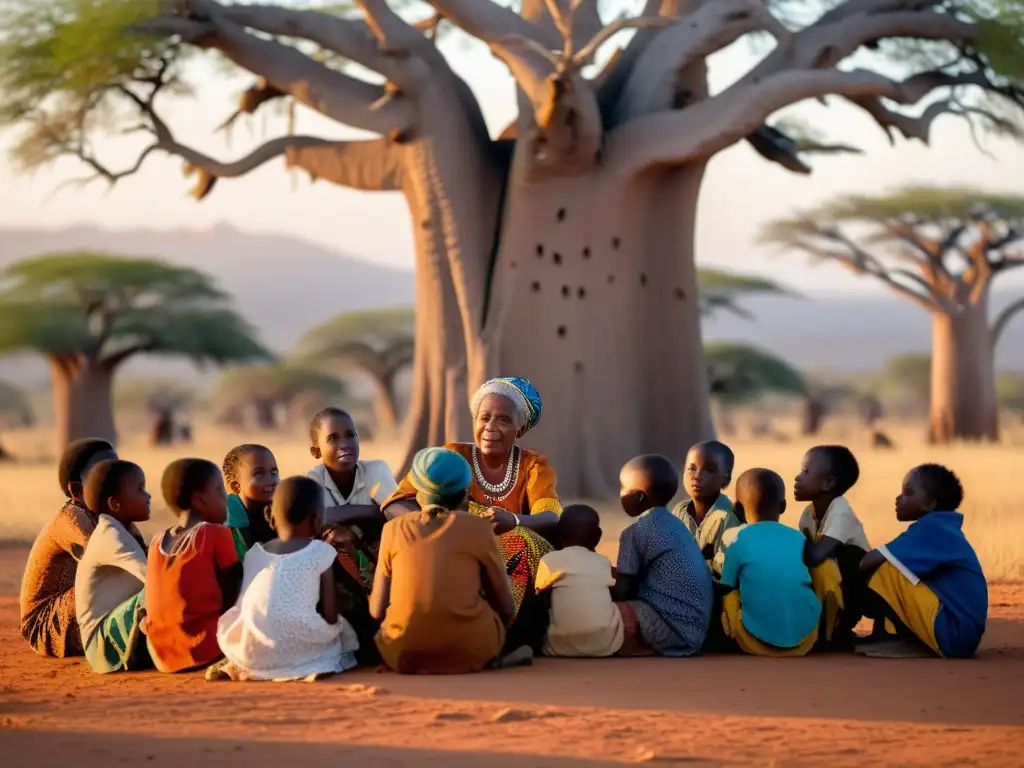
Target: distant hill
(284, 286)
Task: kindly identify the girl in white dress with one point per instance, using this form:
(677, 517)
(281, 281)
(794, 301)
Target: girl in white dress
(285, 625)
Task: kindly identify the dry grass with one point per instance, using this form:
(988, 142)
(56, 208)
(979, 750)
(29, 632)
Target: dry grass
(995, 525)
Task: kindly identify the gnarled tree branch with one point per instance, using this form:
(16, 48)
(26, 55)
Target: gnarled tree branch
(374, 165)
(652, 83)
(711, 126)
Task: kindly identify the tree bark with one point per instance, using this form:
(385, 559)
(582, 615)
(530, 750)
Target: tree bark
(602, 316)
(82, 403)
(384, 407)
(963, 390)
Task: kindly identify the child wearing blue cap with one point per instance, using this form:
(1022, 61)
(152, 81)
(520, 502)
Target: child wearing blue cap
(440, 589)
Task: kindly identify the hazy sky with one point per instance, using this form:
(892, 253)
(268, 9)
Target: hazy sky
(741, 192)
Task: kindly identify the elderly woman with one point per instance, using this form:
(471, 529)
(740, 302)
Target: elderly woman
(513, 488)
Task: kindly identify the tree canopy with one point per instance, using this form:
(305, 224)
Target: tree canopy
(101, 309)
(743, 373)
(73, 69)
(379, 341)
(941, 247)
(721, 289)
(274, 384)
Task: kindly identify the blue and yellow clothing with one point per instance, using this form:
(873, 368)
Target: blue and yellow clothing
(934, 552)
(765, 564)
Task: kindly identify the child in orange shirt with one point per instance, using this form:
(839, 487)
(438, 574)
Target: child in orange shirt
(193, 573)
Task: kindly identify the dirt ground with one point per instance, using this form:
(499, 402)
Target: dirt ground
(709, 711)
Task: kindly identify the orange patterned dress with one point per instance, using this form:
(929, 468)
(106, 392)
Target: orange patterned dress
(531, 492)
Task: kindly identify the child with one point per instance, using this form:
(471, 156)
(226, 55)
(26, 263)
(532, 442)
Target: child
(772, 610)
(111, 580)
(927, 582)
(662, 586)
(584, 620)
(194, 572)
(440, 592)
(353, 489)
(709, 513)
(251, 475)
(48, 619)
(276, 630)
(836, 542)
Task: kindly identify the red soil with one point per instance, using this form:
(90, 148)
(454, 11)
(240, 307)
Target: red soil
(710, 711)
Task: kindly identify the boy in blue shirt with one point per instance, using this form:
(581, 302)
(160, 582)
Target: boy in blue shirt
(927, 583)
(662, 584)
(772, 610)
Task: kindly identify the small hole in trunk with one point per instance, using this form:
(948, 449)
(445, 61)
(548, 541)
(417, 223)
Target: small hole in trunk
(535, 286)
(578, 366)
(561, 214)
(611, 279)
(586, 252)
(540, 251)
(643, 278)
(616, 242)
(557, 258)
(680, 294)
(581, 292)
(566, 291)
(561, 331)
(514, 264)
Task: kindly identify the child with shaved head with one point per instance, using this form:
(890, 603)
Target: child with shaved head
(584, 620)
(662, 585)
(772, 610)
(708, 513)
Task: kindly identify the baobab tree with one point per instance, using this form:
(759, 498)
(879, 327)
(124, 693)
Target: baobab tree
(90, 313)
(380, 343)
(941, 249)
(265, 389)
(563, 249)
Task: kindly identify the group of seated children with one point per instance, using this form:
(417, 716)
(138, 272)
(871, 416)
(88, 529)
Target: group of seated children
(263, 579)
(716, 576)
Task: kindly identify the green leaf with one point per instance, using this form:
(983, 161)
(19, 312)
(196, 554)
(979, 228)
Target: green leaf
(107, 307)
(743, 373)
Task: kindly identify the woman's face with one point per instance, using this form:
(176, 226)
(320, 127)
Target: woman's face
(496, 426)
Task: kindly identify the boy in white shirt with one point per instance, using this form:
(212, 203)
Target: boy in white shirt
(836, 542)
(584, 620)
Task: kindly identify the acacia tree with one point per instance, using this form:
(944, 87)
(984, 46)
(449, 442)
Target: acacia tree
(266, 388)
(720, 290)
(90, 313)
(944, 248)
(378, 342)
(563, 249)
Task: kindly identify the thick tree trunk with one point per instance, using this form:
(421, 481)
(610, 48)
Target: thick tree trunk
(384, 407)
(963, 392)
(601, 313)
(82, 405)
(977, 409)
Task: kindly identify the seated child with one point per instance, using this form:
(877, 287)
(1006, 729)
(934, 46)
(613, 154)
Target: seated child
(251, 475)
(111, 580)
(194, 572)
(708, 514)
(48, 619)
(662, 585)
(584, 620)
(441, 591)
(772, 610)
(836, 542)
(353, 490)
(927, 582)
(285, 624)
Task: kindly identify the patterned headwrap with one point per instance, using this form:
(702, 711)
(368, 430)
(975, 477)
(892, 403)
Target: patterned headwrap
(521, 393)
(438, 473)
